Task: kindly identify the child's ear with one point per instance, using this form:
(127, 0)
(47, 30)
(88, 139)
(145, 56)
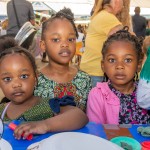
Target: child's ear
(42, 46)
(36, 78)
(102, 65)
(139, 65)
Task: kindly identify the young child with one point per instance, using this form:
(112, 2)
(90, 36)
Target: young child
(114, 102)
(17, 81)
(58, 78)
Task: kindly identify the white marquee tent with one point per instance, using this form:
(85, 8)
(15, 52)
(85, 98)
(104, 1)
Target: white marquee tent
(141, 3)
(80, 7)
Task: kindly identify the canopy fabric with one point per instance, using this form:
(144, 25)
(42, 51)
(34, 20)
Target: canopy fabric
(140, 3)
(133, 3)
(78, 7)
(3, 10)
(61, 1)
(82, 9)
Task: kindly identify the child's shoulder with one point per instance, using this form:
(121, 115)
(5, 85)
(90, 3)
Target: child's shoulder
(101, 86)
(83, 74)
(2, 106)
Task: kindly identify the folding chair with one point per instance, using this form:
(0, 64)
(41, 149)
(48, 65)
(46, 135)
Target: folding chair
(25, 35)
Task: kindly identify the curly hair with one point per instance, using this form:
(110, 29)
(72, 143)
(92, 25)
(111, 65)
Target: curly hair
(7, 42)
(21, 51)
(9, 46)
(124, 35)
(65, 13)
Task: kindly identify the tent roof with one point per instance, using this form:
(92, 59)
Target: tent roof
(61, 1)
(78, 7)
(3, 8)
(133, 3)
(140, 3)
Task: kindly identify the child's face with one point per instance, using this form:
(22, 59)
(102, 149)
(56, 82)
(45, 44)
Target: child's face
(59, 41)
(17, 78)
(120, 63)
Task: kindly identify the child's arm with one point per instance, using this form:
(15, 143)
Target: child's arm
(70, 118)
(95, 107)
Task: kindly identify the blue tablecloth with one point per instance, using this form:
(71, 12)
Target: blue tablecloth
(137, 136)
(90, 128)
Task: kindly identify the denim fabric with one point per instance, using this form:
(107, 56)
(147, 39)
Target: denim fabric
(96, 79)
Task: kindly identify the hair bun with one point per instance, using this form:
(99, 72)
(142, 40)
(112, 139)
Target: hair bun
(125, 30)
(7, 42)
(66, 12)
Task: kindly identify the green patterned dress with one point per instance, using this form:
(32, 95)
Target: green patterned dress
(79, 88)
(40, 111)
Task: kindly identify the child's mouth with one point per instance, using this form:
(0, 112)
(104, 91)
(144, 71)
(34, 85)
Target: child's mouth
(65, 53)
(119, 76)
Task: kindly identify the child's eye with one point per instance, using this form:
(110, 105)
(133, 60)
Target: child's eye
(24, 76)
(72, 39)
(128, 60)
(7, 79)
(55, 40)
(111, 60)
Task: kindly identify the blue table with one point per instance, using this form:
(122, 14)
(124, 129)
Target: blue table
(90, 128)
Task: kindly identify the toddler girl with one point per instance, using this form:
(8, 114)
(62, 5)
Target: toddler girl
(114, 101)
(18, 78)
(58, 78)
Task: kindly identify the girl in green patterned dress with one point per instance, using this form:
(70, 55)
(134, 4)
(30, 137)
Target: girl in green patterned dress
(58, 78)
(17, 81)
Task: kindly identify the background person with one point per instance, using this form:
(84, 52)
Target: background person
(103, 23)
(139, 23)
(124, 16)
(44, 53)
(24, 12)
(79, 44)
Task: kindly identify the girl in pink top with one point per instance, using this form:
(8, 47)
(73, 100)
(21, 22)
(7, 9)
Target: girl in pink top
(114, 101)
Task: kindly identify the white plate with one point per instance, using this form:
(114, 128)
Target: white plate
(4, 145)
(74, 141)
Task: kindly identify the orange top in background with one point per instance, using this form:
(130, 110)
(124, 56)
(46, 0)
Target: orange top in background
(79, 45)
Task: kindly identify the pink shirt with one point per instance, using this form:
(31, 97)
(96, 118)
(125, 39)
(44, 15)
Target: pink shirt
(103, 105)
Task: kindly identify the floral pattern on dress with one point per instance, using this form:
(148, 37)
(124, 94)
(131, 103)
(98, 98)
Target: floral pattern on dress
(130, 112)
(79, 87)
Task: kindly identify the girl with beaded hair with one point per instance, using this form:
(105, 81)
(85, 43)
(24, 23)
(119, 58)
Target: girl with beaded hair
(115, 100)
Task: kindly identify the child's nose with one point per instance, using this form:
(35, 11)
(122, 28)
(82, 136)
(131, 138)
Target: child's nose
(16, 84)
(65, 44)
(120, 65)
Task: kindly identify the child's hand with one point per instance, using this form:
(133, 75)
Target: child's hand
(23, 130)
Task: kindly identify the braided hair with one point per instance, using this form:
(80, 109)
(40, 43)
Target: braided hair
(9, 46)
(65, 13)
(124, 35)
(7, 42)
(21, 51)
